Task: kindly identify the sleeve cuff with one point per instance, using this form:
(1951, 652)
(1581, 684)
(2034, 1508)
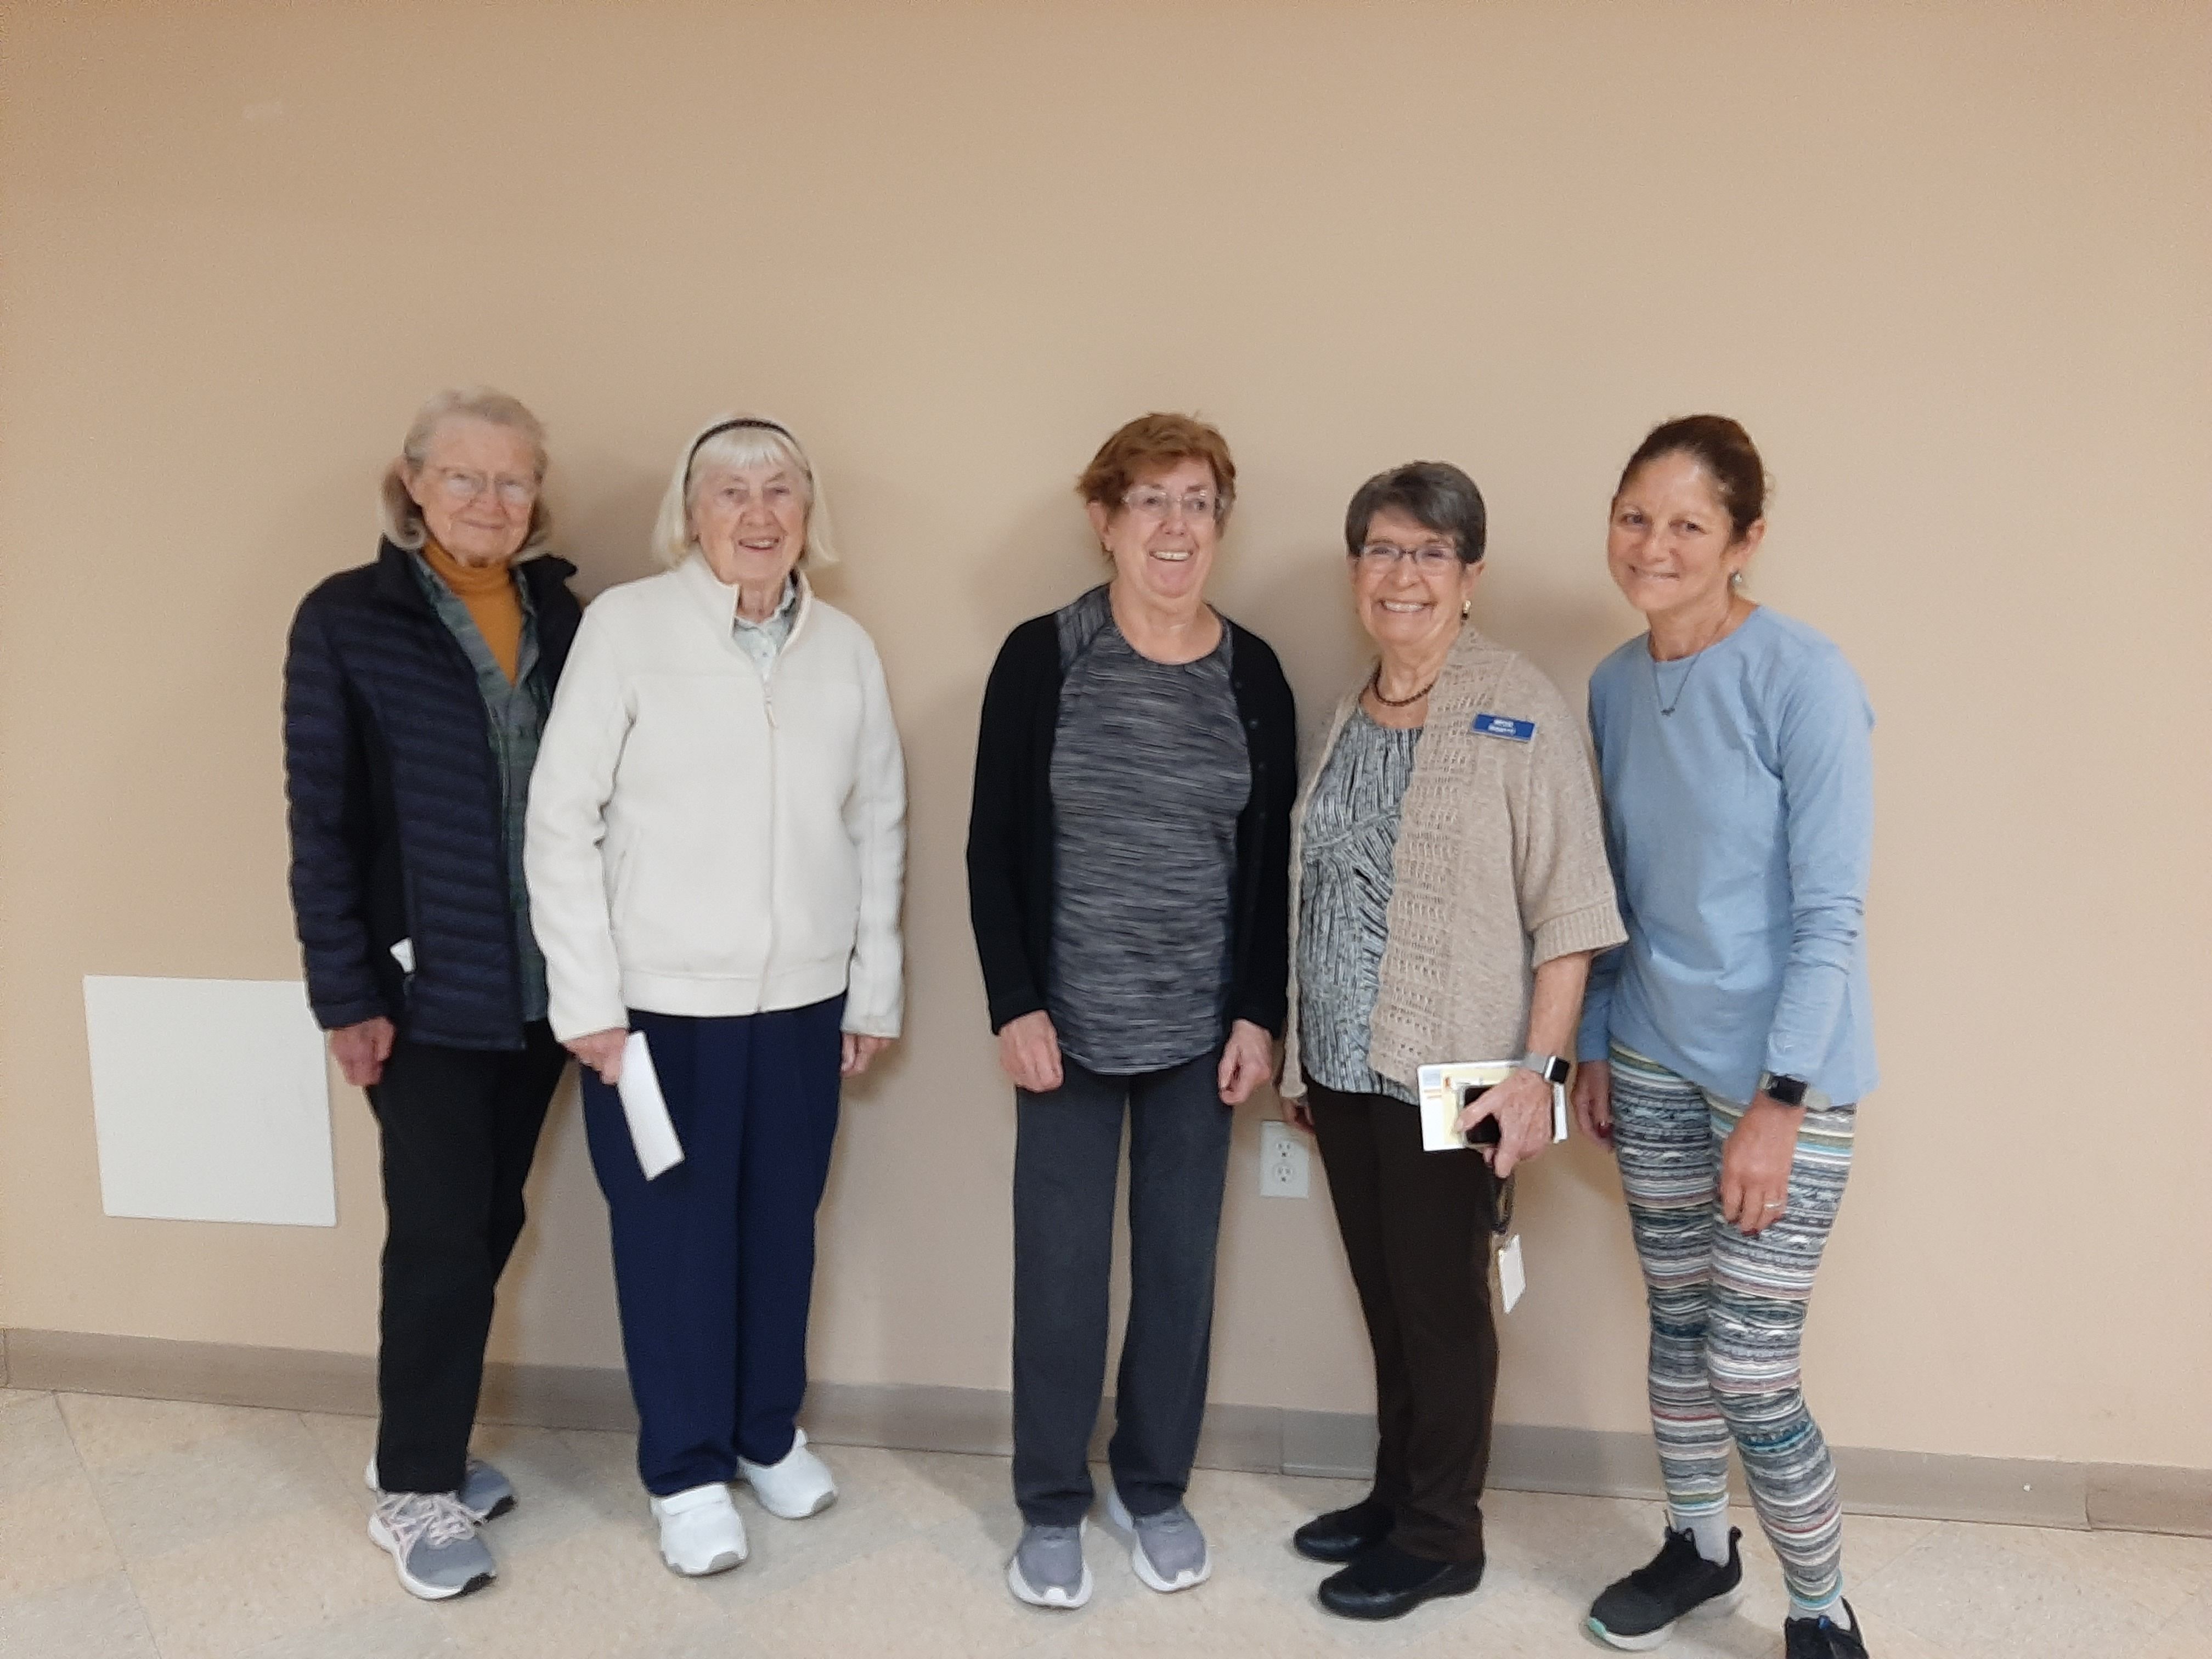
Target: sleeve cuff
(1595, 927)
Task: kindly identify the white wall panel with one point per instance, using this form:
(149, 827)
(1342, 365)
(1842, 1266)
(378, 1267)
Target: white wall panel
(211, 1100)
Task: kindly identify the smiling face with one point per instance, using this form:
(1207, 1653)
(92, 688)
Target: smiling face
(1412, 605)
(1163, 556)
(1672, 547)
(477, 486)
(750, 521)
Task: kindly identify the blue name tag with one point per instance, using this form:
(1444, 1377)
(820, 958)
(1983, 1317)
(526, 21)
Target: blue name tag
(1501, 725)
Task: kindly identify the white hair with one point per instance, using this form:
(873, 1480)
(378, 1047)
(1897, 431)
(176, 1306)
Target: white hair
(757, 441)
(402, 518)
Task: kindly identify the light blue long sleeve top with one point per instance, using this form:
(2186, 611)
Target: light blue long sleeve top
(1741, 827)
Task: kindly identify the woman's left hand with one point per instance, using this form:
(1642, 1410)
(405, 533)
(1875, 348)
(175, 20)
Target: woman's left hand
(1248, 1060)
(1755, 1164)
(1523, 1106)
(859, 1051)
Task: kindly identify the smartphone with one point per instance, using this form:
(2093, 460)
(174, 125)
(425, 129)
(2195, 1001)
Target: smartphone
(1488, 1132)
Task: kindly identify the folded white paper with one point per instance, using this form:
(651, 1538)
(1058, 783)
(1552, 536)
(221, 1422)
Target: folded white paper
(645, 1111)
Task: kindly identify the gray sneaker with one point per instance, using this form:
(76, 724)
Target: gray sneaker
(1168, 1550)
(433, 1544)
(1049, 1570)
(485, 1493)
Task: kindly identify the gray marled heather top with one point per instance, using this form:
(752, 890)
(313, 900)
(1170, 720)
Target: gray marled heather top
(1149, 769)
(1343, 901)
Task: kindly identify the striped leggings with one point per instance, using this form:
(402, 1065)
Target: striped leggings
(1728, 1313)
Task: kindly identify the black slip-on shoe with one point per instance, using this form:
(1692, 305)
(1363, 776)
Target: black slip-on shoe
(1823, 1637)
(1386, 1582)
(1342, 1534)
(1636, 1612)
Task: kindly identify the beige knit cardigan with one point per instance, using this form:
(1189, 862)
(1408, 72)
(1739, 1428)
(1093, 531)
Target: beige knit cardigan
(1500, 865)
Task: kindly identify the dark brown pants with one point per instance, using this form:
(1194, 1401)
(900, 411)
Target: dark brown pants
(1416, 1232)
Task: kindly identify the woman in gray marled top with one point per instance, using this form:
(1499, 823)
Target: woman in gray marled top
(1450, 885)
(1127, 871)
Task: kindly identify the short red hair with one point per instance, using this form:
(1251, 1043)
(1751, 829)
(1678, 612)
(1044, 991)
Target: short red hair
(1149, 446)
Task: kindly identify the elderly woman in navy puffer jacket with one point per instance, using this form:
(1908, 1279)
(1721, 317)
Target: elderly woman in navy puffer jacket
(414, 690)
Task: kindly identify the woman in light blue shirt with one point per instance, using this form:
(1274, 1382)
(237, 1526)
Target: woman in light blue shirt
(1725, 1046)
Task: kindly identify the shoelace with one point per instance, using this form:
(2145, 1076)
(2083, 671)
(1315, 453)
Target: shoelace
(435, 1518)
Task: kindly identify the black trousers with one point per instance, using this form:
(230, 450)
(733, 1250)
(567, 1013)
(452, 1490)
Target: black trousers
(459, 1126)
(1417, 1231)
(1067, 1155)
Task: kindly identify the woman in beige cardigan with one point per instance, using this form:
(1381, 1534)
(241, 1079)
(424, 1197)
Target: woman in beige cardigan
(1449, 887)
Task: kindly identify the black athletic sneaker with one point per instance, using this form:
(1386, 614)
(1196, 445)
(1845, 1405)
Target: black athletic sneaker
(1823, 1638)
(1636, 1612)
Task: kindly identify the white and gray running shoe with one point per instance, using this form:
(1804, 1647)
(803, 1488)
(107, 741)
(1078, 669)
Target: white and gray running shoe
(433, 1544)
(485, 1493)
(1049, 1570)
(1167, 1550)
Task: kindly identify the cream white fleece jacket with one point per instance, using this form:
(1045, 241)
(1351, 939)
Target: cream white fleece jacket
(705, 840)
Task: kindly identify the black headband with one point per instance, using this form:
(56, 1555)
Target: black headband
(732, 425)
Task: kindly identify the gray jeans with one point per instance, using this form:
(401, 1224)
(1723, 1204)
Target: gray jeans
(1068, 1155)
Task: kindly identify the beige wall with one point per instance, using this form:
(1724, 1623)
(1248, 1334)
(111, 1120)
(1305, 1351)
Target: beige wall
(1949, 263)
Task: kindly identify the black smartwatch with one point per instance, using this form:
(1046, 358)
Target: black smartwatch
(1784, 1090)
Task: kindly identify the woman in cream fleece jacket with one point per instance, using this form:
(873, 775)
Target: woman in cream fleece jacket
(716, 849)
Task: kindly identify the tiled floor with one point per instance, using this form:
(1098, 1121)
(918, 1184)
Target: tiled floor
(132, 1528)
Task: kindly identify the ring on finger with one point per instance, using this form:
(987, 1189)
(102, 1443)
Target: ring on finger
(1777, 1204)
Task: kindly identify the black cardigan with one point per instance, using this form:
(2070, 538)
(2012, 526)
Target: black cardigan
(1009, 828)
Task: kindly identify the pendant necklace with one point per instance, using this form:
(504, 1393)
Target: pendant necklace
(1682, 684)
(1374, 685)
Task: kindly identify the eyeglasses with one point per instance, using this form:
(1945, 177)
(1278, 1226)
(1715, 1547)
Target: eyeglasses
(1429, 558)
(1154, 503)
(462, 488)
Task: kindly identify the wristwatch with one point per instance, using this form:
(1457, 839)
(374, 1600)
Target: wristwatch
(1550, 1067)
(1784, 1090)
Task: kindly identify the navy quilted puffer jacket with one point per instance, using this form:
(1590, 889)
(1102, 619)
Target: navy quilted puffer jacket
(395, 806)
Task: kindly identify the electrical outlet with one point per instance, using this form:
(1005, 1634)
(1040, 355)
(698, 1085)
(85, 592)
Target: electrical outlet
(1284, 1170)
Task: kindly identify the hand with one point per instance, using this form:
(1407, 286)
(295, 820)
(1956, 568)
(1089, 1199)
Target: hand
(360, 1050)
(1593, 1097)
(860, 1049)
(1298, 1113)
(1755, 1164)
(1029, 1053)
(1523, 1106)
(602, 1051)
(1248, 1060)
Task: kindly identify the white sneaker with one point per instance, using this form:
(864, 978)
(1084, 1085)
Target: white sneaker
(800, 1485)
(701, 1531)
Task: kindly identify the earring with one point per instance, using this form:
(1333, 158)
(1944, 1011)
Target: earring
(1466, 609)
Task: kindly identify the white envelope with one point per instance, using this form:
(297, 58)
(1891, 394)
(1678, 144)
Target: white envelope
(645, 1111)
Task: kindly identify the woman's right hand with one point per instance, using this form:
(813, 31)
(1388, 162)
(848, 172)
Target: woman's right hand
(602, 1051)
(1593, 1098)
(1029, 1052)
(360, 1050)
(1298, 1113)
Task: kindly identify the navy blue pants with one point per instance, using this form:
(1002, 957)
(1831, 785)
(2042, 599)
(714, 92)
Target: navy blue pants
(714, 1260)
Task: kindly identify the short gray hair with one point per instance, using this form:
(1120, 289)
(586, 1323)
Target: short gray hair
(402, 518)
(739, 441)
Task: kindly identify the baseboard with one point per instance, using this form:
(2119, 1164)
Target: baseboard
(917, 1417)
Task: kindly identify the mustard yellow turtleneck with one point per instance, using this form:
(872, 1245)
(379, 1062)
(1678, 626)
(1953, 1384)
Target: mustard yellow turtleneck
(493, 606)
